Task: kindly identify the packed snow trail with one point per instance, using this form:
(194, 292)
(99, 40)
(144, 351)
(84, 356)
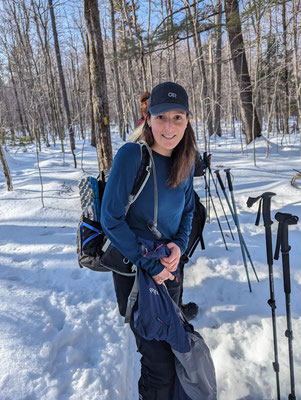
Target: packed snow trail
(61, 336)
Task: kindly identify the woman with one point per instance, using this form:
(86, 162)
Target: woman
(168, 132)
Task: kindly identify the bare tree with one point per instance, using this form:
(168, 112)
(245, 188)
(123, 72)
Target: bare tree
(249, 116)
(195, 28)
(285, 72)
(62, 81)
(296, 11)
(119, 107)
(218, 70)
(5, 168)
(99, 86)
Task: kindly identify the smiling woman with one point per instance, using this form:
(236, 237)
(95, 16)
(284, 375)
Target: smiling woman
(168, 130)
(168, 133)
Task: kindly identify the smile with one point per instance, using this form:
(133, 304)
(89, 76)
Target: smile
(169, 137)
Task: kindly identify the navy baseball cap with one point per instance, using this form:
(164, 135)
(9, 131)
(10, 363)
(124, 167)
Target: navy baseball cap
(168, 96)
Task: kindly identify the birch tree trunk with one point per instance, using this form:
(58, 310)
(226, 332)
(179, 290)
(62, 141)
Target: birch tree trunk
(99, 86)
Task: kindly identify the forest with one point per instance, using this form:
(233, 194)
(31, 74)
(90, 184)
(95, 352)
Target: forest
(71, 74)
(71, 69)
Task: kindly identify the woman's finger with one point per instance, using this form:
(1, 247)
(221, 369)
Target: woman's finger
(170, 259)
(172, 268)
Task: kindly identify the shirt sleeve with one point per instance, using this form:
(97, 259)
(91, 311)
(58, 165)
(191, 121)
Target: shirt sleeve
(118, 188)
(182, 236)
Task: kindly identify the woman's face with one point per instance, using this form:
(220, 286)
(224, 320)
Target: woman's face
(168, 129)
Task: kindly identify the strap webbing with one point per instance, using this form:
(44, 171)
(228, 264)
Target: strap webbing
(153, 228)
(92, 228)
(132, 299)
(259, 212)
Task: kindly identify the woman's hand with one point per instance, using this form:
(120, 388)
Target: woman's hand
(171, 262)
(163, 276)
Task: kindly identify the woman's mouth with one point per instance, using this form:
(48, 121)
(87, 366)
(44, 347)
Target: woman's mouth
(169, 137)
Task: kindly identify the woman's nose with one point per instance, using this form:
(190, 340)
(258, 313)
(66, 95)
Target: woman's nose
(168, 125)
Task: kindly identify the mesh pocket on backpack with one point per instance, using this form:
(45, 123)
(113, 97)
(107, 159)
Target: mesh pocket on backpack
(90, 241)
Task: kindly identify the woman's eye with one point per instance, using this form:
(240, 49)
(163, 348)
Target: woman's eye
(159, 117)
(178, 117)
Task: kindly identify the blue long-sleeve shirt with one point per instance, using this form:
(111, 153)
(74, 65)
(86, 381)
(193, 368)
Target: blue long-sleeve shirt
(175, 207)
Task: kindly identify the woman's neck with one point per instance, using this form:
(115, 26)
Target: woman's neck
(162, 151)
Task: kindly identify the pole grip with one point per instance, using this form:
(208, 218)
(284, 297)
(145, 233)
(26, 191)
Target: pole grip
(285, 220)
(286, 274)
(228, 175)
(206, 160)
(285, 248)
(220, 180)
(288, 219)
(266, 208)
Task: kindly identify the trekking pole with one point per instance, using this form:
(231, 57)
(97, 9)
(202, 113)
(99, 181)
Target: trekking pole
(213, 206)
(236, 221)
(208, 194)
(225, 194)
(207, 163)
(282, 241)
(265, 206)
(228, 175)
(241, 238)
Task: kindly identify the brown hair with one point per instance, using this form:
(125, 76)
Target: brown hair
(143, 98)
(183, 156)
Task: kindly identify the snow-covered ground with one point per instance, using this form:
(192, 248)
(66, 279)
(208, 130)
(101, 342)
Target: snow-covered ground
(61, 336)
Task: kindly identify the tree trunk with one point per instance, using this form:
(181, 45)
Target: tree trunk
(141, 45)
(99, 86)
(62, 81)
(169, 10)
(92, 120)
(55, 112)
(194, 23)
(285, 73)
(150, 72)
(5, 168)
(119, 107)
(218, 70)
(22, 127)
(240, 66)
(194, 106)
(296, 66)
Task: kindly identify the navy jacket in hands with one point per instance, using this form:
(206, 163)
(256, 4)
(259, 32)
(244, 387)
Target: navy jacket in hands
(175, 207)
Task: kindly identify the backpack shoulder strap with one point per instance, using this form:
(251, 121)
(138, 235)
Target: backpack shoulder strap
(142, 176)
(143, 171)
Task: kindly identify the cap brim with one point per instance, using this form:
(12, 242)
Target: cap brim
(165, 107)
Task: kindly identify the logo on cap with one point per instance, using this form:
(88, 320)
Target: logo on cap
(171, 94)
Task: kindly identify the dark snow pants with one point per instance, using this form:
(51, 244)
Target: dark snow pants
(158, 373)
